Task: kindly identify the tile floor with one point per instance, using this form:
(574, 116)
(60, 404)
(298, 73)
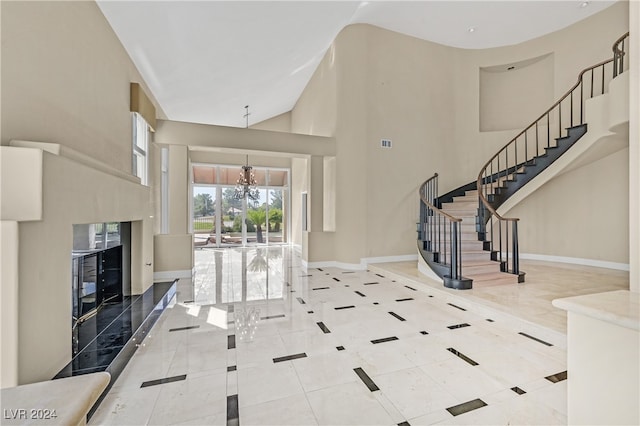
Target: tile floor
(256, 339)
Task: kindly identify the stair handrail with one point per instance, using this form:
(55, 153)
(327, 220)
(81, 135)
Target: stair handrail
(432, 231)
(487, 176)
(619, 53)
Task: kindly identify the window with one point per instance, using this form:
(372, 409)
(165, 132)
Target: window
(140, 148)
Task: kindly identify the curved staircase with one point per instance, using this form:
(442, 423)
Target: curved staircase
(461, 235)
(478, 265)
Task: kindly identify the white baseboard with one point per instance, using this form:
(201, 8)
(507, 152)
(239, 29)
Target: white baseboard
(172, 275)
(576, 261)
(363, 262)
(384, 259)
(334, 264)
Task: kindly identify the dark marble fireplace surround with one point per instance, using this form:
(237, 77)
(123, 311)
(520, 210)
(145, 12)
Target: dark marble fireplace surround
(109, 339)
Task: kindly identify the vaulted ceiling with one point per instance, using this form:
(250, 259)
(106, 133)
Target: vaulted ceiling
(206, 60)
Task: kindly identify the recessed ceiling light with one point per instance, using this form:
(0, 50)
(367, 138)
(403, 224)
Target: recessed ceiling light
(471, 29)
(584, 4)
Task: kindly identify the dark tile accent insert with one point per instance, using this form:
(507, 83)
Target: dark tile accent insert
(272, 317)
(231, 341)
(336, 279)
(558, 377)
(186, 302)
(231, 368)
(303, 276)
(233, 415)
(376, 303)
(346, 285)
(366, 379)
(410, 288)
(290, 357)
(163, 381)
(393, 281)
(404, 300)
(323, 327)
(360, 294)
(340, 348)
(385, 339)
(517, 390)
(348, 272)
(397, 316)
(404, 424)
(423, 332)
(462, 356)
(321, 288)
(184, 328)
(430, 296)
(375, 282)
(309, 312)
(452, 327)
(230, 308)
(302, 302)
(319, 269)
(344, 307)
(535, 338)
(465, 407)
(107, 340)
(490, 320)
(381, 276)
(456, 306)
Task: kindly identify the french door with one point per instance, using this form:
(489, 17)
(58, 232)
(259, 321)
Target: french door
(220, 220)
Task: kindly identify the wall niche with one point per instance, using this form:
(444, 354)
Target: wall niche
(513, 95)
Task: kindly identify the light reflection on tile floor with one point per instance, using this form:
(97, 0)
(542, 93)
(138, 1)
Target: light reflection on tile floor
(417, 377)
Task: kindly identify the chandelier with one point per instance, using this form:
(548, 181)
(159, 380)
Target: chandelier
(246, 184)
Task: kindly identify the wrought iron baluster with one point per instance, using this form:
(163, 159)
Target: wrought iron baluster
(515, 249)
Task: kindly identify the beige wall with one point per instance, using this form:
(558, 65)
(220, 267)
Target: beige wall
(500, 106)
(315, 111)
(561, 218)
(228, 145)
(65, 79)
(425, 98)
(222, 158)
(178, 190)
(574, 49)
(299, 184)
(350, 59)
(73, 193)
(409, 97)
(9, 303)
(240, 140)
(634, 149)
(279, 123)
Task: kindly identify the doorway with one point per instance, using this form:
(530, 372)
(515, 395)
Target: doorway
(221, 220)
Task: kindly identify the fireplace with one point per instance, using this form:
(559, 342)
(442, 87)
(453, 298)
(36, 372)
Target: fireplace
(97, 279)
(101, 274)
